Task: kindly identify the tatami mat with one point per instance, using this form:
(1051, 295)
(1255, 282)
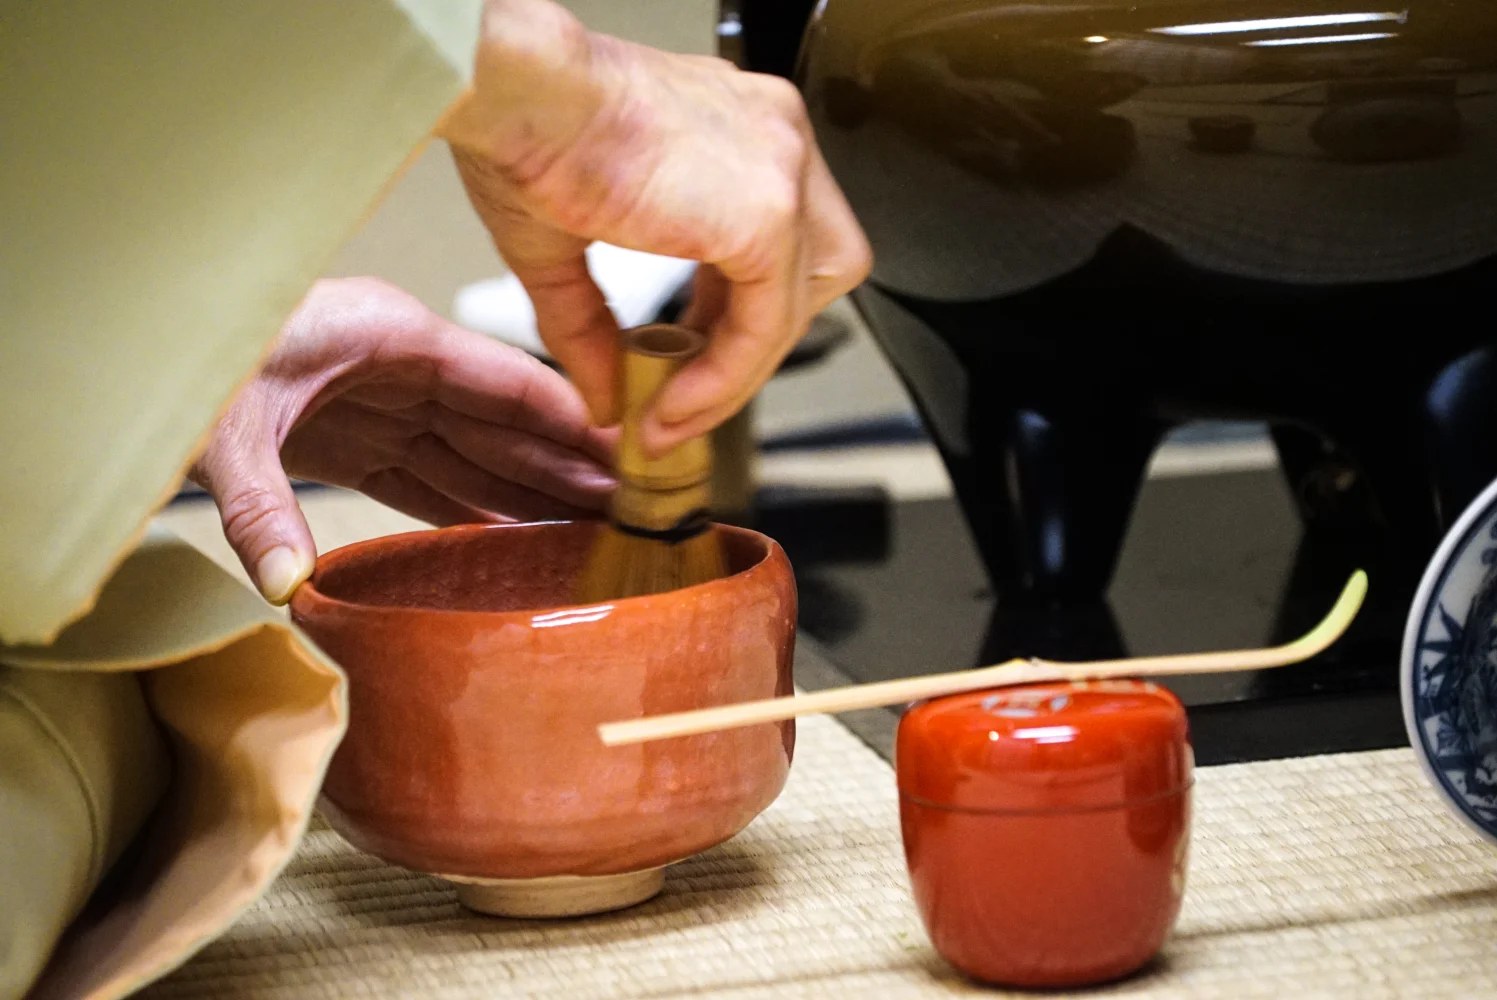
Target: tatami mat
(1335, 876)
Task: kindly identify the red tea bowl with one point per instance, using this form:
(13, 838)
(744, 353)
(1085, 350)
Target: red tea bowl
(476, 687)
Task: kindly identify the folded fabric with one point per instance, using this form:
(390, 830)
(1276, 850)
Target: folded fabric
(246, 716)
(84, 767)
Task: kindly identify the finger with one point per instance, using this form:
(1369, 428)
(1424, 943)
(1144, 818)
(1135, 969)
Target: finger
(839, 256)
(527, 460)
(487, 380)
(347, 441)
(836, 259)
(444, 470)
(734, 371)
(571, 313)
(709, 297)
(577, 327)
(760, 314)
(261, 518)
(401, 490)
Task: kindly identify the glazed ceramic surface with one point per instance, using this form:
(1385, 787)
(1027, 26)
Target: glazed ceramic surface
(474, 696)
(1449, 669)
(1047, 827)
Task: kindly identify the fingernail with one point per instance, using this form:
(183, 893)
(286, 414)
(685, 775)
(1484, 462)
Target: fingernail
(598, 482)
(279, 572)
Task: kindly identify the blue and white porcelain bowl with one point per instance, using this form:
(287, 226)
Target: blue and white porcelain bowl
(1449, 668)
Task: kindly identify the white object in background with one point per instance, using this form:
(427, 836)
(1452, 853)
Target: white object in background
(636, 285)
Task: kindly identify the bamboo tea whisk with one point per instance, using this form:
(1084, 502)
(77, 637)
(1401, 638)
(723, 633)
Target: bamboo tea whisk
(659, 535)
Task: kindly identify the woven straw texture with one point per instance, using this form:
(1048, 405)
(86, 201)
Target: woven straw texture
(1338, 876)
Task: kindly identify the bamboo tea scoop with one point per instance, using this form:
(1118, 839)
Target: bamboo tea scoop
(1019, 671)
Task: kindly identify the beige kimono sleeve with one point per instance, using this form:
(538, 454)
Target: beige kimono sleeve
(173, 177)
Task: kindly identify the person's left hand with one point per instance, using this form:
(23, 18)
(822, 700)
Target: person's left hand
(369, 390)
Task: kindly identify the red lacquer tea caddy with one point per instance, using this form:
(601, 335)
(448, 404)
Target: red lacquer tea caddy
(1046, 827)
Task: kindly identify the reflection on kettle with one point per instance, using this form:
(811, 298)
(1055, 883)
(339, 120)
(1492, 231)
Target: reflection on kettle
(1092, 223)
(1004, 128)
(1389, 122)
(990, 107)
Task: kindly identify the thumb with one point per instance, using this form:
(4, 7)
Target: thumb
(261, 518)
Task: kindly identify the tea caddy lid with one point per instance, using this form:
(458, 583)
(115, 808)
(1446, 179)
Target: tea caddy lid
(1052, 747)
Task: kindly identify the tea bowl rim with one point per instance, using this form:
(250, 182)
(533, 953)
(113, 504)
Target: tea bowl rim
(309, 599)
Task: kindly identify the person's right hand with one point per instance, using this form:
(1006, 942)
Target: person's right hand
(570, 136)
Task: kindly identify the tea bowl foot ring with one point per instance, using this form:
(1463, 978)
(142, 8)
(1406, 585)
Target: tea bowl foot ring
(557, 896)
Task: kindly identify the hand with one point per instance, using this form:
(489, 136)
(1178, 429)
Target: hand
(569, 137)
(369, 390)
